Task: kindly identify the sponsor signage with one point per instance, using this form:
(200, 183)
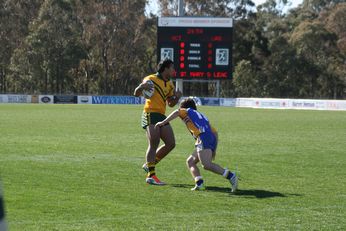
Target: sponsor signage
(336, 105)
(15, 98)
(244, 102)
(205, 101)
(3, 98)
(271, 103)
(210, 101)
(84, 99)
(291, 103)
(116, 100)
(45, 99)
(34, 99)
(65, 99)
(228, 102)
(303, 104)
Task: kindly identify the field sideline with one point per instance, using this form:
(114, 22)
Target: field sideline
(78, 167)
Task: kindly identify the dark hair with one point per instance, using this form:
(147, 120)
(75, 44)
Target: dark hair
(164, 64)
(188, 103)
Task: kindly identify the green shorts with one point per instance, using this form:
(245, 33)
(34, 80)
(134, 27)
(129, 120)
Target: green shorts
(151, 118)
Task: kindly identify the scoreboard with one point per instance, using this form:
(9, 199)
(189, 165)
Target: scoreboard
(201, 47)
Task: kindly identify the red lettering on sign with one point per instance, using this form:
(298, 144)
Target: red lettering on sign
(220, 75)
(199, 31)
(196, 74)
(176, 37)
(194, 31)
(183, 74)
(217, 38)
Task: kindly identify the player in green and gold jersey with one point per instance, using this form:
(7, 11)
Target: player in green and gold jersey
(154, 112)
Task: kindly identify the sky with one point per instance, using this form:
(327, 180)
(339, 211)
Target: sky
(153, 7)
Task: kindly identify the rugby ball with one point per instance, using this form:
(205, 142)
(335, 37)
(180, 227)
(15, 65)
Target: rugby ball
(148, 93)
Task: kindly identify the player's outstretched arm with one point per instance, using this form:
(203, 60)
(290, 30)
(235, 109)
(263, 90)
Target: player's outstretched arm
(169, 118)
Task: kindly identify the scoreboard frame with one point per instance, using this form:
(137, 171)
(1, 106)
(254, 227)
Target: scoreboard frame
(200, 47)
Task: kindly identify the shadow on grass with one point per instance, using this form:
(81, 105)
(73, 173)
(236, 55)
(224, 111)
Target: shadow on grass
(252, 193)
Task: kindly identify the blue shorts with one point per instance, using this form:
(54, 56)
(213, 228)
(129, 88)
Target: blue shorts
(206, 140)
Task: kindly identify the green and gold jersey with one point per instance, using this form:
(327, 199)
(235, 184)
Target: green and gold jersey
(163, 90)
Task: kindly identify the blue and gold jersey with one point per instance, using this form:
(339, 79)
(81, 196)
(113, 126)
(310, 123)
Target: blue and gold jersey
(195, 122)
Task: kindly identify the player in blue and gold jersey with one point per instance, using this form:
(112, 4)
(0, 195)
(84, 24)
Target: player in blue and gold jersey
(206, 143)
(153, 112)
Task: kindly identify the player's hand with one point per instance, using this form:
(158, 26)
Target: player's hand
(178, 94)
(159, 124)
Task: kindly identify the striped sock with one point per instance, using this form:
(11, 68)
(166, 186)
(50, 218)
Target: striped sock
(151, 167)
(157, 160)
(199, 180)
(227, 174)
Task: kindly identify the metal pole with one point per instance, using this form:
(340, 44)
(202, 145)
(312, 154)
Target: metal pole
(180, 8)
(218, 88)
(179, 82)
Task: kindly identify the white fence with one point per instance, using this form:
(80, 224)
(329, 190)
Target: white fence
(309, 104)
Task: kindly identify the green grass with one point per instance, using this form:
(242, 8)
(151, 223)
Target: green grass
(78, 167)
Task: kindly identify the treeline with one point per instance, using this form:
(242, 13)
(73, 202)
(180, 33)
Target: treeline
(108, 46)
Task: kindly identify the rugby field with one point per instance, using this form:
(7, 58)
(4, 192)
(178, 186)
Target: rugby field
(78, 167)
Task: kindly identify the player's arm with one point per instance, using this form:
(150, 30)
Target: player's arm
(173, 100)
(140, 88)
(169, 118)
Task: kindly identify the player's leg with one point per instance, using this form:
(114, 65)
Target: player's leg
(206, 148)
(153, 136)
(191, 163)
(167, 136)
(205, 156)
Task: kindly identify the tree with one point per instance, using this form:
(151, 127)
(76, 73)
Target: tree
(52, 48)
(15, 16)
(335, 22)
(318, 46)
(107, 46)
(320, 5)
(246, 80)
(114, 36)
